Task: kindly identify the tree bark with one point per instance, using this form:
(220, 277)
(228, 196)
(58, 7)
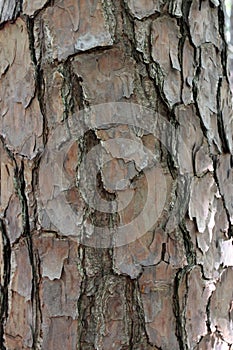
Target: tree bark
(230, 47)
(104, 103)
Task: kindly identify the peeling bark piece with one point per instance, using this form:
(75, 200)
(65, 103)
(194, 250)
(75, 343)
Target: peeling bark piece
(172, 86)
(150, 249)
(216, 231)
(123, 262)
(227, 252)
(203, 20)
(225, 179)
(14, 219)
(209, 75)
(28, 140)
(6, 177)
(20, 322)
(175, 254)
(13, 38)
(156, 288)
(129, 149)
(19, 325)
(145, 251)
(58, 190)
(107, 76)
(221, 306)
(54, 301)
(123, 157)
(53, 89)
(227, 113)
(60, 334)
(22, 276)
(144, 8)
(165, 40)
(188, 69)
(216, 3)
(142, 32)
(140, 197)
(52, 253)
(203, 162)
(126, 157)
(211, 243)
(56, 298)
(60, 288)
(207, 89)
(189, 137)
(202, 196)
(213, 342)
(180, 203)
(59, 296)
(17, 103)
(9, 9)
(175, 8)
(198, 293)
(30, 7)
(73, 26)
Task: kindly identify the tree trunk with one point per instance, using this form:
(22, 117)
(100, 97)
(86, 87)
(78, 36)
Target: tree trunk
(230, 47)
(116, 175)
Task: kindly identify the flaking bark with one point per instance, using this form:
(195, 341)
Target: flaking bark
(170, 288)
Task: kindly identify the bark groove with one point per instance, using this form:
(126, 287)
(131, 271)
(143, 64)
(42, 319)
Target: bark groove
(75, 287)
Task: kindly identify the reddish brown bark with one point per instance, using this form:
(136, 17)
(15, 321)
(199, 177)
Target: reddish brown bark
(169, 287)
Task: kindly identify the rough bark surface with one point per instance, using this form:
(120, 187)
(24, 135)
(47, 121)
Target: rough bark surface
(170, 288)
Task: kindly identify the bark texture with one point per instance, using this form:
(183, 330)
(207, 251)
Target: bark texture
(171, 288)
(230, 45)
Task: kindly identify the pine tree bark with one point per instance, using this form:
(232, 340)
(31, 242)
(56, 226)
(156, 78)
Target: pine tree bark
(230, 47)
(171, 286)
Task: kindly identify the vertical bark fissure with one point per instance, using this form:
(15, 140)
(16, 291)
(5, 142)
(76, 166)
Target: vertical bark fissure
(19, 183)
(221, 129)
(124, 297)
(154, 72)
(221, 20)
(230, 228)
(179, 311)
(39, 79)
(189, 247)
(195, 91)
(81, 313)
(208, 321)
(91, 312)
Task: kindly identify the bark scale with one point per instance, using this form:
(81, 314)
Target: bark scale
(170, 288)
